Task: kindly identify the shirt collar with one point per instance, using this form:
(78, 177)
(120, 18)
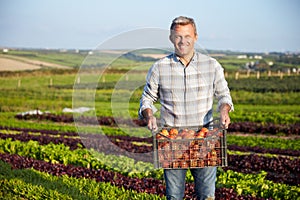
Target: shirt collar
(177, 59)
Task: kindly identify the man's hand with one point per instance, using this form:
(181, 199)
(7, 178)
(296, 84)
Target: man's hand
(151, 123)
(224, 116)
(151, 120)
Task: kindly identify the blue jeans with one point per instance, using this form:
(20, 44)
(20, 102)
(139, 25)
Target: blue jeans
(204, 178)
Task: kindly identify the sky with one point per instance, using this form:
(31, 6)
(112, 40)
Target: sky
(237, 25)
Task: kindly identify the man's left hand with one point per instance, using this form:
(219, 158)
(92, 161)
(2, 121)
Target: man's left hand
(224, 116)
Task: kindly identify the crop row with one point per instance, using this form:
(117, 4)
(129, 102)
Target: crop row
(242, 186)
(279, 169)
(142, 145)
(268, 114)
(108, 121)
(248, 127)
(24, 183)
(252, 127)
(38, 131)
(263, 150)
(285, 168)
(266, 84)
(269, 144)
(73, 143)
(139, 185)
(101, 143)
(144, 185)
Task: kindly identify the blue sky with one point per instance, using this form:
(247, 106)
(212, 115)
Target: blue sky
(243, 25)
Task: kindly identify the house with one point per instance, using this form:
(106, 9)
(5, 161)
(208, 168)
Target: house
(242, 57)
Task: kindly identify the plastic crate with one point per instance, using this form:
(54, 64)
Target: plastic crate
(195, 152)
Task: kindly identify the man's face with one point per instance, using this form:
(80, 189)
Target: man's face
(183, 37)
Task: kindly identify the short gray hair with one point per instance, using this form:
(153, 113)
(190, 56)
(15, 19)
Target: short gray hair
(182, 20)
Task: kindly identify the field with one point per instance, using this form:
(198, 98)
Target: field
(106, 152)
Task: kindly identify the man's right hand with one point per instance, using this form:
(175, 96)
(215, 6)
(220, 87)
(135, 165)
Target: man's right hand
(151, 120)
(151, 123)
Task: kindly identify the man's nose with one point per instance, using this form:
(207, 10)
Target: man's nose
(183, 40)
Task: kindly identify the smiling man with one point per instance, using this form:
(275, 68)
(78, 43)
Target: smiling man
(186, 83)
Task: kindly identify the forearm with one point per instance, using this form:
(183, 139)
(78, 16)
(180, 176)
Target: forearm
(225, 108)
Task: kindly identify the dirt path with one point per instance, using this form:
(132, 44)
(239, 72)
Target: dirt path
(15, 63)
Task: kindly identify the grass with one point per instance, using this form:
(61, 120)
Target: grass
(52, 90)
(35, 93)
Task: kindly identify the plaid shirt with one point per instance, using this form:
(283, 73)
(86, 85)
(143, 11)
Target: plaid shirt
(186, 93)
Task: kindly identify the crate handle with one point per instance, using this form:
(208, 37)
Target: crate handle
(163, 136)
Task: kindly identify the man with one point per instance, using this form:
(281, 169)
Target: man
(186, 82)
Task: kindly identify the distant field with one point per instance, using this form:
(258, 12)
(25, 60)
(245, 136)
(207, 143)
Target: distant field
(7, 64)
(17, 63)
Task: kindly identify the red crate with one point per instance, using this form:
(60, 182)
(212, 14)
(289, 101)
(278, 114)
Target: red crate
(185, 151)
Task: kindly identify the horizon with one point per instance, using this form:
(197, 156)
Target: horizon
(248, 26)
(62, 50)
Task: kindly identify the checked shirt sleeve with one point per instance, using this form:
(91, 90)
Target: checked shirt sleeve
(150, 93)
(222, 92)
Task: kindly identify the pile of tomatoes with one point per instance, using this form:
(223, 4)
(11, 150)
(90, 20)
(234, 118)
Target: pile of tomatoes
(187, 148)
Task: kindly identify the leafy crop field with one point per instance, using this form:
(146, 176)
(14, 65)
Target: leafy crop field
(107, 153)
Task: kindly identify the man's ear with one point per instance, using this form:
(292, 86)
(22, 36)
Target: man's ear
(196, 37)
